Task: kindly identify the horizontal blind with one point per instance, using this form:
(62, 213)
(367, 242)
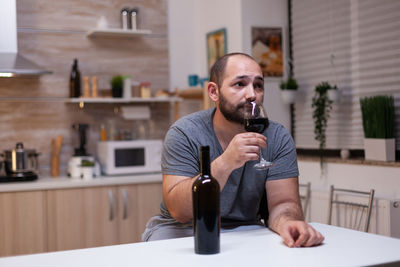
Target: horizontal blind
(353, 44)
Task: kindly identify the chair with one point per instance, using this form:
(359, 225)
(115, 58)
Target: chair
(305, 194)
(350, 213)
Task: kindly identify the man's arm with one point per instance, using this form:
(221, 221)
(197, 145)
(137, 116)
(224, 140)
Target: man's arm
(177, 190)
(286, 215)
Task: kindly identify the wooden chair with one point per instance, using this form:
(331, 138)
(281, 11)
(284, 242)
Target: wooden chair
(305, 195)
(200, 93)
(350, 213)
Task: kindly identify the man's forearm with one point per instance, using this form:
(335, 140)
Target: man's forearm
(178, 196)
(287, 211)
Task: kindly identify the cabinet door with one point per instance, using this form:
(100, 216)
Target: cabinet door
(149, 200)
(138, 203)
(81, 218)
(22, 223)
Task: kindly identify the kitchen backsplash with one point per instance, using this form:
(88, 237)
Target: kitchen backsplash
(53, 33)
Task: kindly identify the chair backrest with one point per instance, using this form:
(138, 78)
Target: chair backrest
(353, 208)
(305, 194)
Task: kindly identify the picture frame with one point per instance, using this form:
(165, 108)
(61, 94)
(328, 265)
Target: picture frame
(216, 46)
(267, 50)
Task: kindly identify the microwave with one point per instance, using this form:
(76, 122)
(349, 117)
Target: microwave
(129, 157)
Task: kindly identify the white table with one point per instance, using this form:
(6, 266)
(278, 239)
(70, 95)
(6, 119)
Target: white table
(342, 247)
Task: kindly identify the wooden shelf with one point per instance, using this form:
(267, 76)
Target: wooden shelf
(111, 100)
(117, 33)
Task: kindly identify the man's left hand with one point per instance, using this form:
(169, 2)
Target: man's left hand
(300, 234)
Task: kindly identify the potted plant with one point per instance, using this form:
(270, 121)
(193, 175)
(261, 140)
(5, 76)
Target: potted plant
(289, 90)
(87, 167)
(333, 93)
(322, 106)
(117, 85)
(379, 127)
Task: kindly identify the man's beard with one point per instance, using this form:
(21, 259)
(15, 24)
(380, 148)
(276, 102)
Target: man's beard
(229, 111)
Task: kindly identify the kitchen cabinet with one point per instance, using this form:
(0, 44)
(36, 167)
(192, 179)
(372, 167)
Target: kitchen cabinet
(22, 223)
(99, 216)
(81, 218)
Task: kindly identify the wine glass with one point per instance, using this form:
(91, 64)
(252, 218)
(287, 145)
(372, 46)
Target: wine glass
(256, 120)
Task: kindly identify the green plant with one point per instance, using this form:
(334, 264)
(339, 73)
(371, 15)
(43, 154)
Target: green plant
(321, 108)
(378, 116)
(117, 82)
(87, 163)
(290, 84)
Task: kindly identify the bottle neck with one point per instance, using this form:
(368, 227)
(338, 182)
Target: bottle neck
(205, 162)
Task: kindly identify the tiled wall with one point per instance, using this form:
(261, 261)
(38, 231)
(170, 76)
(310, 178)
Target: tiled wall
(52, 34)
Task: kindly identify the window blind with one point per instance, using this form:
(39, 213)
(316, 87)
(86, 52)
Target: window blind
(353, 44)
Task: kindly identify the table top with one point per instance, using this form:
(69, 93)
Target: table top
(261, 247)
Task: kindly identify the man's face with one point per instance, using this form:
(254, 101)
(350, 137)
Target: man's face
(242, 82)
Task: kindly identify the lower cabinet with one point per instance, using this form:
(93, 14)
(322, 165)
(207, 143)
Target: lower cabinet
(100, 216)
(22, 223)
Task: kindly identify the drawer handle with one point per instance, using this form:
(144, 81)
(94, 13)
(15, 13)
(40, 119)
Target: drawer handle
(111, 200)
(125, 199)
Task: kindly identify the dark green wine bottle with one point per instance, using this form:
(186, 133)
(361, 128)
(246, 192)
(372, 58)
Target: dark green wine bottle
(75, 81)
(206, 208)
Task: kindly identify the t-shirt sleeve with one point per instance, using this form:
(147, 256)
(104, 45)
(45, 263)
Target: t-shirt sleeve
(179, 155)
(283, 156)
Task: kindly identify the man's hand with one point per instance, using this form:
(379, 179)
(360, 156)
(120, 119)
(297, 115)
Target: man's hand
(242, 148)
(299, 234)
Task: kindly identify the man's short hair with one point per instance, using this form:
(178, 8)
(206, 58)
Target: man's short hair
(218, 69)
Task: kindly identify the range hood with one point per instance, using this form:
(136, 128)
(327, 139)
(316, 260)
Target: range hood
(12, 64)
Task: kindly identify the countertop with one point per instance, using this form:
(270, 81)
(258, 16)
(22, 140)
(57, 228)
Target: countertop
(261, 247)
(46, 183)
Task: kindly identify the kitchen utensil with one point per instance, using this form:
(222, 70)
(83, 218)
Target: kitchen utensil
(19, 164)
(55, 155)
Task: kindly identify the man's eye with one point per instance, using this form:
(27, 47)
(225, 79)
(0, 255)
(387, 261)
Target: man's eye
(239, 84)
(259, 86)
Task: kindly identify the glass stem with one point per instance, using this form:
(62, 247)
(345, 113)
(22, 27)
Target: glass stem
(261, 157)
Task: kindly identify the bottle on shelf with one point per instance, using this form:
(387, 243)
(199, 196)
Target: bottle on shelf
(75, 81)
(206, 208)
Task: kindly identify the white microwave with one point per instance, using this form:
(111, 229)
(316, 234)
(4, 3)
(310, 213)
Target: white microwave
(129, 157)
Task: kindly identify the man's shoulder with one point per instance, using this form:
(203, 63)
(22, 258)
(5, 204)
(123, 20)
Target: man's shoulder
(195, 120)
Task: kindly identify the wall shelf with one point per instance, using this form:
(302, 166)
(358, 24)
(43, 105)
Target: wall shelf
(117, 33)
(111, 100)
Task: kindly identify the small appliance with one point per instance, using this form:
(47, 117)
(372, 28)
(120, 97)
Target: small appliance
(19, 164)
(80, 154)
(129, 157)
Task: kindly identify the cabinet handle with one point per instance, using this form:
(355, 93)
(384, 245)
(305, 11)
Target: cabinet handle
(125, 199)
(111, 200)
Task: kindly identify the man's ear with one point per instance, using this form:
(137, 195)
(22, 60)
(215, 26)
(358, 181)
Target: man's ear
(213, 91)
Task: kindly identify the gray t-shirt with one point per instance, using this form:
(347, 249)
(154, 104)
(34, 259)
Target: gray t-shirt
(241, 195)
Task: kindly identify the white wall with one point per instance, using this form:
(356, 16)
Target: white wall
(190, 21)
(268, 13)
(385, 181)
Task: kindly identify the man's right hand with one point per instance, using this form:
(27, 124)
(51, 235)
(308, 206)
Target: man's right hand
(242, 148)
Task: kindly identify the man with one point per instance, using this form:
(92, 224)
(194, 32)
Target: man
(234, 80)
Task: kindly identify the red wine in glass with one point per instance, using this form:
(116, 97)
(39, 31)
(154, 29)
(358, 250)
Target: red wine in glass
(256, 125)
(256, 120)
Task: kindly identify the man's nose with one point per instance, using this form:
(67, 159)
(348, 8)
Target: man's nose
(250, 94)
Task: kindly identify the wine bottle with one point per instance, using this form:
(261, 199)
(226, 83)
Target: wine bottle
(75, 81)
(206, 208)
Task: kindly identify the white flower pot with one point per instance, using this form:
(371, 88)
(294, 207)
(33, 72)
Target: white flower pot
(333, 95)
(379, 149)
(288, 96)
(87, 173)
